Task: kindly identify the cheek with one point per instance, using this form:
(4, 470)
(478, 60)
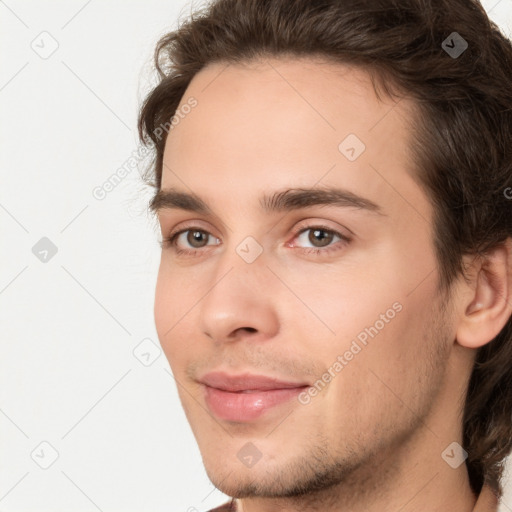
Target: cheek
(379, 326)
(348, 302)
(397, 370)
(169, 310)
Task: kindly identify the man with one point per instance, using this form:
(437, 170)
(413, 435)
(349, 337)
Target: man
(333, 187)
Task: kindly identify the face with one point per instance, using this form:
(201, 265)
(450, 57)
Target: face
(337, 297)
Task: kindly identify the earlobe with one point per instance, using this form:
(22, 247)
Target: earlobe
(490, 303)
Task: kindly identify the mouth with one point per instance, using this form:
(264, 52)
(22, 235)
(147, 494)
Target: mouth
(246, 397)
(247, 405)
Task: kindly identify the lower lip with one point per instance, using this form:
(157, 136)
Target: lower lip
(232, 406)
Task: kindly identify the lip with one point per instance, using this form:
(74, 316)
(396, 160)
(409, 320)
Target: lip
(246, 382)
(243, 398)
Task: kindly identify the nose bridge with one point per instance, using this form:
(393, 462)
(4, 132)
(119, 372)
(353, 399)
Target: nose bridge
(240, 271)
(239, 295)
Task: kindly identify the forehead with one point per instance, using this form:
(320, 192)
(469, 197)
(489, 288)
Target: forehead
(337, 96)
(290, 122)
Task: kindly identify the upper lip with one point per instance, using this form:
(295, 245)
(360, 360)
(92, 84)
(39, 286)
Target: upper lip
(226, 382)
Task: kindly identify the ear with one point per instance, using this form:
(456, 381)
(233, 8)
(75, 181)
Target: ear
(487, 303)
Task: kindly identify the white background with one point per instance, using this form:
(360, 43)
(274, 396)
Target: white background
(69, 326)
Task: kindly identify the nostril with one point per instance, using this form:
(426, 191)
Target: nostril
(250, 329)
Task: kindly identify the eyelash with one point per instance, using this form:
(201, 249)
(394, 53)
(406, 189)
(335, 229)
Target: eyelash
(170, 241)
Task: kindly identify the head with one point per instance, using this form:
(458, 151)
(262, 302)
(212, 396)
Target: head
(400, 317)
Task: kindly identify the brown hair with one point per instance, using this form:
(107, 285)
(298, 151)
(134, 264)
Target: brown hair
(462, 139)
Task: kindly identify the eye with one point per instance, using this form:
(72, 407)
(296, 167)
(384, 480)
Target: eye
(197, 238)
(319, 236)
(194, 236)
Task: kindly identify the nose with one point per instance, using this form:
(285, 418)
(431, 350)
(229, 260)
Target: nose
(240, 300)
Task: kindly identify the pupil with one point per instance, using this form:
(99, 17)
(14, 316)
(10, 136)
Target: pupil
(196, 236)
(317, 233)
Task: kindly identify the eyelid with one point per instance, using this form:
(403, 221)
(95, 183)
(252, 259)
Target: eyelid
(190, 224)
(301, 226)
(320, 224)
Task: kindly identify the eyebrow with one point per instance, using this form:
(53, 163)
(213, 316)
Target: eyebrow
(279, 201)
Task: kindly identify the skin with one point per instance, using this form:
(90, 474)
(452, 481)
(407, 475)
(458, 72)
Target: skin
(372, 439)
